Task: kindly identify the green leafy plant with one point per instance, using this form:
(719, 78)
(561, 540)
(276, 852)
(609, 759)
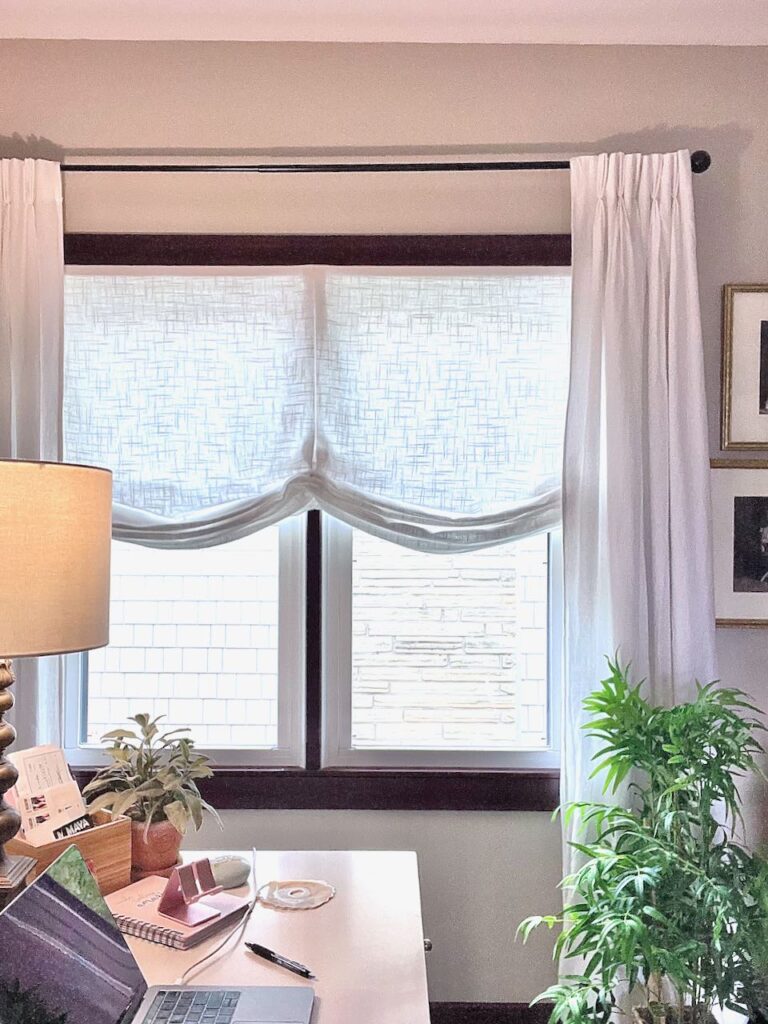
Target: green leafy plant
(665, 904)
(152, 776)
(18, 1006)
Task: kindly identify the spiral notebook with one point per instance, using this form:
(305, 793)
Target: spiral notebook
(134, 909)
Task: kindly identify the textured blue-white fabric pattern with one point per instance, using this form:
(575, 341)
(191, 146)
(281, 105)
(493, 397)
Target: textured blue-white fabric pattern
(424, 405)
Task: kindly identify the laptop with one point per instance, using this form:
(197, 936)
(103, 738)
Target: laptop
(64, 960)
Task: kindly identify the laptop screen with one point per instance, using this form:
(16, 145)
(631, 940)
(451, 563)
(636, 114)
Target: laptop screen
(64, 961)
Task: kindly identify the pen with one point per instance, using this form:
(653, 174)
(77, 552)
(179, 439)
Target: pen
(281, 961)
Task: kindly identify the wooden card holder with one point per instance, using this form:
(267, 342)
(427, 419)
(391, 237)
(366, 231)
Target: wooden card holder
(106, 849)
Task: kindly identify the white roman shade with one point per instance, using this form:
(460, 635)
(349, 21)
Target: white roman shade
(425, 406)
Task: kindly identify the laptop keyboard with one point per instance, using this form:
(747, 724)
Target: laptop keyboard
(192, 1006)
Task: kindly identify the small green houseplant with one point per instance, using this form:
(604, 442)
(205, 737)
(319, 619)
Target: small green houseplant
(664, 905)
(152, 778)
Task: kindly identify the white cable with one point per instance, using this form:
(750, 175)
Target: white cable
(239, 930)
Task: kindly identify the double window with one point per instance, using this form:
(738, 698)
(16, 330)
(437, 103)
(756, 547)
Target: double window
(312, 643)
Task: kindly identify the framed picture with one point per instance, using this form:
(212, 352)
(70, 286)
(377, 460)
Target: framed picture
(745, 367)
(740, 539)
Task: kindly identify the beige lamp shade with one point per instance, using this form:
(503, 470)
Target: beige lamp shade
(55, 536)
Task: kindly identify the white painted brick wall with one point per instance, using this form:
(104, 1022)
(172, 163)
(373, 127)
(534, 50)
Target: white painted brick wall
(450, 650)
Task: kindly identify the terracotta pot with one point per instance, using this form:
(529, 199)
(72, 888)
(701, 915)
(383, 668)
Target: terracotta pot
(154, 852)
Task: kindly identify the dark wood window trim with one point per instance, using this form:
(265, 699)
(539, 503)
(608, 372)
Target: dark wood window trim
(313, 651)
(332, 250)
(346, 788)
(375, 789)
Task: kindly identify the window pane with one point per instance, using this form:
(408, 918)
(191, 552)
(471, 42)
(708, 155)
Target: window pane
(194, 637)
(449, 651)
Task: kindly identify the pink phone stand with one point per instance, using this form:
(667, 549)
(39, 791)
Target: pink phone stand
(185, 896)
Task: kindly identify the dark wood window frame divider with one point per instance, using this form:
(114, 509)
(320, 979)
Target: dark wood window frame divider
(315, 787)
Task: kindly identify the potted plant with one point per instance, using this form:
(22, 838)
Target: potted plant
(664, 905)
(152, 778)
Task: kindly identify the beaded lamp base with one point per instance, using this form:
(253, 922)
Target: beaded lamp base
(13, 877)
(13, 870)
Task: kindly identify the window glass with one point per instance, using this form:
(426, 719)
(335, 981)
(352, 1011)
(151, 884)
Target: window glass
(449, 651)
(193, 636)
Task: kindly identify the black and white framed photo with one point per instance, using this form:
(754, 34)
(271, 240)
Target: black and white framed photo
(740, 538)
(745, 366)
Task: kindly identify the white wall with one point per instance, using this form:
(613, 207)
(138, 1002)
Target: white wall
(480, 872)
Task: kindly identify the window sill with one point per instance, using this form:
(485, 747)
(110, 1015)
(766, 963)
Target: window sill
(377, 789)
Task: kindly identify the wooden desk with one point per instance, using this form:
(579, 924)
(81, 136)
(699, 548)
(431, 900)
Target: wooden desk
(366, 946)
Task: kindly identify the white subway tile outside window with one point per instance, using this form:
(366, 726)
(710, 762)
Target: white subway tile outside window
(441, 660)
(194, 637)
(449, 651)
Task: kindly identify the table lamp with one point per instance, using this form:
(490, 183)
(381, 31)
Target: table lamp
(55, 535)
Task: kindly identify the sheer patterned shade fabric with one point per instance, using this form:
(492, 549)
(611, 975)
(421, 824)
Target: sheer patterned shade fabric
(423, 406)
(197, 390)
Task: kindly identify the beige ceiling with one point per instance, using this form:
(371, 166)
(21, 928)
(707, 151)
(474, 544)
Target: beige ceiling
(687, 22)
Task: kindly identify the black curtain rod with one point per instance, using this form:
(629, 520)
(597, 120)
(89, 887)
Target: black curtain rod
(700, 161)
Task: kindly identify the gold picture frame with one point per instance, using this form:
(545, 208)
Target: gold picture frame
(739, 513)
(744, 378)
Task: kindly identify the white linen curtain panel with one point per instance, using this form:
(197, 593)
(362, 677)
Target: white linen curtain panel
(31, 303)
(636, 528)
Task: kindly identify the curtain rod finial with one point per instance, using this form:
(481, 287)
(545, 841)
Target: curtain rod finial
(700, 161)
